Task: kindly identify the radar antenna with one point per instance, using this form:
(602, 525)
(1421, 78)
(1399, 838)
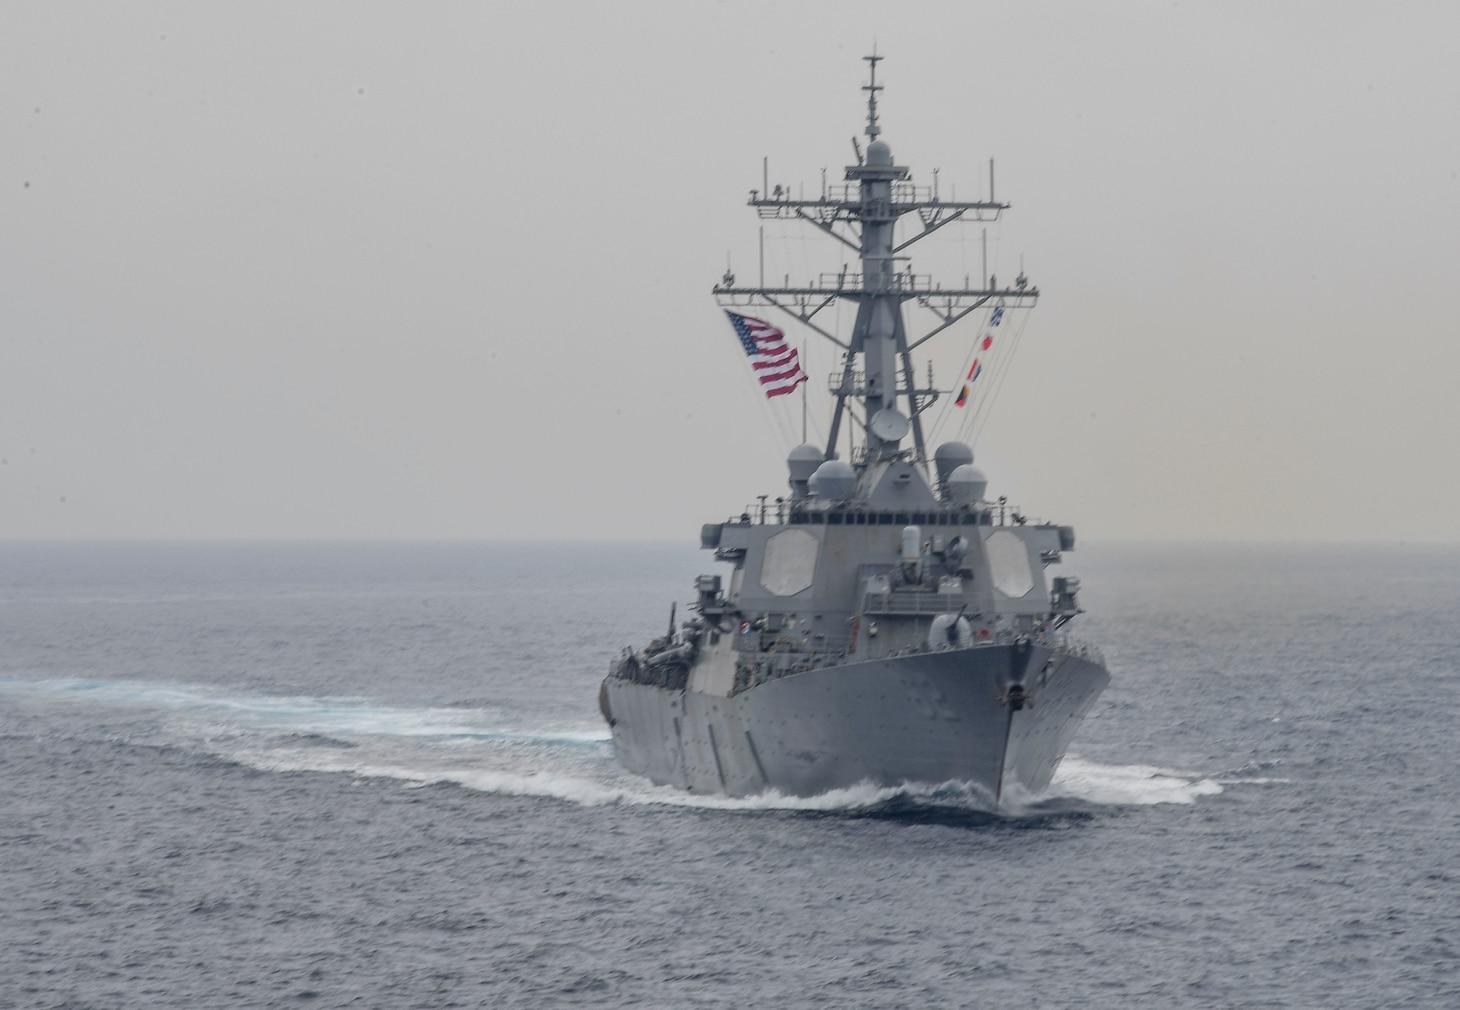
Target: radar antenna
(872, 87)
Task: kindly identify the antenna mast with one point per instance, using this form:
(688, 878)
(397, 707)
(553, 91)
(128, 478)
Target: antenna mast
(862, 214)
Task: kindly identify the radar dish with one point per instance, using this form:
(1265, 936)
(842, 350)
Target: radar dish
(889, 424)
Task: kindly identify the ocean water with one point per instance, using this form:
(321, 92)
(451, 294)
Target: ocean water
(274, 775)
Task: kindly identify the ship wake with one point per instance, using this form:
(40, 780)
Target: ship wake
(492, 751)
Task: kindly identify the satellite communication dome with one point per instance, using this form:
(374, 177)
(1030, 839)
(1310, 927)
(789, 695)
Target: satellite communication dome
(950, 456)
(966, 484)
(878, 153)
(834, 480)
(802, 461)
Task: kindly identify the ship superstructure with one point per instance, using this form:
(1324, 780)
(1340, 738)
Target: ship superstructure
(884, 621)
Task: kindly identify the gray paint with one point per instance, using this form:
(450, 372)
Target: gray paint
(881, 624)
(929, 718)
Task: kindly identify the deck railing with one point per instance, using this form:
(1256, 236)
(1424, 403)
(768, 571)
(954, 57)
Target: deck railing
(784, 512)
(809, 652)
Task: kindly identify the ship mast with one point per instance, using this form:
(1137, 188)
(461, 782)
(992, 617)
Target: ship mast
(863, 215)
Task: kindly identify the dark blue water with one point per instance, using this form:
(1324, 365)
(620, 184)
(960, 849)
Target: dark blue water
(374, 776)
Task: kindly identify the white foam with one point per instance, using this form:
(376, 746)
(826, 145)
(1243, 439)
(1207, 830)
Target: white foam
(1126, 785)
(604, 783)
(323, 715)
(211, 710)
(478, 749)
(593, 783)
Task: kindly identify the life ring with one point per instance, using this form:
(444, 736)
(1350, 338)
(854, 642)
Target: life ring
(984, 634)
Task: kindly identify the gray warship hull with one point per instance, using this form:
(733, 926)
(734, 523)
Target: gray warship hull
(928, 718)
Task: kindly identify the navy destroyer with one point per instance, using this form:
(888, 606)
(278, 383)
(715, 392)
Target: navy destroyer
(884, 621)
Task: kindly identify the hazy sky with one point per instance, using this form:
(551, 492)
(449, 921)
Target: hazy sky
(443, 270)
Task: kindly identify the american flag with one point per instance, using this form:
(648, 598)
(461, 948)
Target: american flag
(775, 362)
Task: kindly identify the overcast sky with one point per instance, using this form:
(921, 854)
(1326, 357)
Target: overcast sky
(444, 270)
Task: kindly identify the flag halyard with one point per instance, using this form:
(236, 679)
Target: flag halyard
(976, 369)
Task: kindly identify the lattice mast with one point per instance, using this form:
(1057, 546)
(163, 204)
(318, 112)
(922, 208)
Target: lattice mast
(878, 193)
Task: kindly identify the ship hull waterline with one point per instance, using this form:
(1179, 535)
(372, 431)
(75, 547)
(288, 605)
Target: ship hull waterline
(923, 719)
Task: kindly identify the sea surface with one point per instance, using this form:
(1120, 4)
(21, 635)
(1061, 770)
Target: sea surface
(365, 775)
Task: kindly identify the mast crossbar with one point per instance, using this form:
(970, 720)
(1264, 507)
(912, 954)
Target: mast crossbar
(851, 208)
(905, 287)
(829, 228)
(931, 223)
(805, 320)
